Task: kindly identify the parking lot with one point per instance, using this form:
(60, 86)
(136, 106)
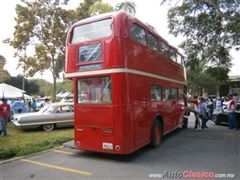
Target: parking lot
(183, 153)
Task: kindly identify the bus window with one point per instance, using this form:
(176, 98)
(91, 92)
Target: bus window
(179, 58)
(96, 90)
(138, 34)
(180, 94)
(89, 53)
(172, 54)
(174, 94)
(153, 41)
(91, 31)
(163, 48)
(155, 93)
(166, 93)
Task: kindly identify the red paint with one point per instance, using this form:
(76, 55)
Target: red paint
(127, 121)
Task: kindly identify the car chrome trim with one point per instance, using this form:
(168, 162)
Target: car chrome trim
(40, 123)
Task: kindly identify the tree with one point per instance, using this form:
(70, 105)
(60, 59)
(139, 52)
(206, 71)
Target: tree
(4, 75)
(100, 8)
(127, 6)
(83, 11)
(211, 29)
(32, 88)
(66, 85)
(41, 24)
(45, 87)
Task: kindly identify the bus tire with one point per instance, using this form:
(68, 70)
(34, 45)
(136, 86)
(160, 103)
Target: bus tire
(48, 127)
(185, 123)
(157, 133)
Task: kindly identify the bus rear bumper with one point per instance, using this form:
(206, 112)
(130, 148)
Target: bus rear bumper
(70, 144)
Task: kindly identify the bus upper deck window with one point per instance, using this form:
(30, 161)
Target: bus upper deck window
(92, 31)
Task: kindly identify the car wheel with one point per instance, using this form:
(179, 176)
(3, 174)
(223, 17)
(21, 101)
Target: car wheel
(48, 127)
(157, 133)
(215, 120)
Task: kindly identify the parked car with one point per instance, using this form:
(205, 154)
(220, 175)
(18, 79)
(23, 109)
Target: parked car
(222, 117)
(49, 117)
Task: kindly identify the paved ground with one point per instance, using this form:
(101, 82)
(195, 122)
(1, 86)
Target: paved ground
(214, 151)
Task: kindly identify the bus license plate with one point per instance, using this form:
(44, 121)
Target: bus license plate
(107, 146)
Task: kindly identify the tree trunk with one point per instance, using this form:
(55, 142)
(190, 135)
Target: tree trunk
(54, 86)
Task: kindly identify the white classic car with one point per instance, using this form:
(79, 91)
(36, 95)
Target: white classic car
(50, 116)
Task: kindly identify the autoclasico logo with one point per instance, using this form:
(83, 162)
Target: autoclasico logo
(192, 174)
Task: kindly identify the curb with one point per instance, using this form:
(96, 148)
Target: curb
(29, 155)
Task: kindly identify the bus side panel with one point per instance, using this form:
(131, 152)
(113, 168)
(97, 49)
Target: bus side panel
(138, 97)
(71, 59)
(123, 123)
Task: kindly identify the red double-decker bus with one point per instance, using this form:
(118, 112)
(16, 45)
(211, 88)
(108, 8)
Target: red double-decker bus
(129, 84)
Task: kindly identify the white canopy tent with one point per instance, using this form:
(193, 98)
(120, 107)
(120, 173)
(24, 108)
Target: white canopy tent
(8, 91)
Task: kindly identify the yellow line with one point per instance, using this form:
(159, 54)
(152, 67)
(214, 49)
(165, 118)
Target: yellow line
(64, 152)
(57, 167)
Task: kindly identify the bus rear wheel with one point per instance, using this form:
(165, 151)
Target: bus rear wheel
(157, 133)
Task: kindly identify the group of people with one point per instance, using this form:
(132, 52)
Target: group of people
(203, 110)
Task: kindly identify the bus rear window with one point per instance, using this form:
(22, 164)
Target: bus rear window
(92, 31)
(97, 90)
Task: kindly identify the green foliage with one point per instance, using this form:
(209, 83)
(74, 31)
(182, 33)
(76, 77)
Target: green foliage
(127, 6)
(31, 87)
(45, 87)
(66, 85)
(100, 8)
(211, 29)
(41, 24)
(4, 75)
(83, 11)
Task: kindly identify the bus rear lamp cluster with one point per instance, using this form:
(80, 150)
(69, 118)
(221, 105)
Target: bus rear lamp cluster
(117, 147)
(77, 143)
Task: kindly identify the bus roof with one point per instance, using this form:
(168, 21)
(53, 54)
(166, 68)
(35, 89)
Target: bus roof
(116, 14)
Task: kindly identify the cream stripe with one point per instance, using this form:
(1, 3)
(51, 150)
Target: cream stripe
(57, 167)
(121, 70)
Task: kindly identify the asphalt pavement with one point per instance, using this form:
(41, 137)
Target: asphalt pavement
(185, 153)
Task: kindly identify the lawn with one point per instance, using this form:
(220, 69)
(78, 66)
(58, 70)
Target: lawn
(20, 142)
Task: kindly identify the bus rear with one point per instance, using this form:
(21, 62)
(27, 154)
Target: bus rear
(92, 54)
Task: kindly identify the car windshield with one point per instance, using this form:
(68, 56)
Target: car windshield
(46, 109)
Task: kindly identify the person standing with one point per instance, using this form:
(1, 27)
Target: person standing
(219, 105)
(231, 113)
(4, 115)
(195, 109)
(203, 112)
(34, 105)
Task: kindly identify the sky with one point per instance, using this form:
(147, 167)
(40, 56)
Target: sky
(147, 11)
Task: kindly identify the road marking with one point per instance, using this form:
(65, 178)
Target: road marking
(57, 167)
(64, 152)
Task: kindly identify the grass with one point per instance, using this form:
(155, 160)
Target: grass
(26, 142)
